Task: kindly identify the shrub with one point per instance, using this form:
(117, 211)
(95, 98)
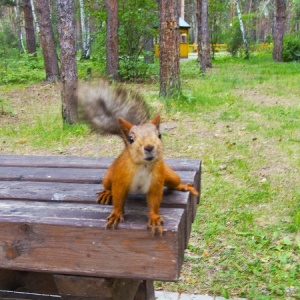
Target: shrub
(291, 48)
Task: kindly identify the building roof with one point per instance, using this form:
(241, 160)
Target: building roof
(183, 23)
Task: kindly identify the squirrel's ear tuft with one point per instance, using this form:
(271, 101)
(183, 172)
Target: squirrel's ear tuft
(156, 121)
(124, 126)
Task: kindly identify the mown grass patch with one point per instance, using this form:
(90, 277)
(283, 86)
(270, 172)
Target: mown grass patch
(246, 239)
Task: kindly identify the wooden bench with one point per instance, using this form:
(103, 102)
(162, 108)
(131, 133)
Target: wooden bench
(53, 244)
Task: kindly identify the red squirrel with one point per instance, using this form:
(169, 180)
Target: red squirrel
(140, 168)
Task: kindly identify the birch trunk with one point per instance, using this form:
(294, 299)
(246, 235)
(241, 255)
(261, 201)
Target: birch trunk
(242, 28)
(84, 22)
(182, 3)
(19, 30)
(37, 28)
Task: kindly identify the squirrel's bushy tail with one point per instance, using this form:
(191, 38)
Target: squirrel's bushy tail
(102, 104)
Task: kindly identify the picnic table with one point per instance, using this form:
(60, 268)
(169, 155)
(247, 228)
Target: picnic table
(53, 241)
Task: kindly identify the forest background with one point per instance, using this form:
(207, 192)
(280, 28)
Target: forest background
(240, 116)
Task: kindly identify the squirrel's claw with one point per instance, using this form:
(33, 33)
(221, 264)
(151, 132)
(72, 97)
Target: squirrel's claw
(104, 197)
(113, 220)
(155, 223)
(188, 187)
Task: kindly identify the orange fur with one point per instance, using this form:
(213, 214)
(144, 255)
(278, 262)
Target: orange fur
(140, 168)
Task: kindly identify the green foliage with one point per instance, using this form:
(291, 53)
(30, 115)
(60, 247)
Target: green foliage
(131, 69)
(216, 10)
(24, 69)
(95, 67)
(234, 39)
(7, 38)
(233, 36)
(136, 27)
(291, 48)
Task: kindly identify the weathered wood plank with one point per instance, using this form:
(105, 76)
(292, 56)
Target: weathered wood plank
(66, 175)
(72, 192)
(86, 193)
(48, 191)
(54, 161)
(82, 162)
(40, 236)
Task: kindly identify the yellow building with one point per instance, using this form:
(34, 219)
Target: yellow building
(184, 41)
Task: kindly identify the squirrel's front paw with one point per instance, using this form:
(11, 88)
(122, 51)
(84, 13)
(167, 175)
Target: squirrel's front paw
(104, 197)
(155, 222)
(189, 188)
(113, 219)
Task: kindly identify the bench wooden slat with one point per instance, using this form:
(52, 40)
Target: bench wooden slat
(82, 162)
(72, 192)
(40, 236)
(92, 176)
(67, 175)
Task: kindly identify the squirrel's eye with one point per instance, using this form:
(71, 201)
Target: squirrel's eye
(131, 140)
(159, 135)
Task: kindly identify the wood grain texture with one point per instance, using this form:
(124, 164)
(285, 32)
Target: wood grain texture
(40, 236)
(82, 162)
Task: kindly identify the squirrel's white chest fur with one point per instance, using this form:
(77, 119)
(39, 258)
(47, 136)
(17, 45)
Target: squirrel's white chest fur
(141, 180)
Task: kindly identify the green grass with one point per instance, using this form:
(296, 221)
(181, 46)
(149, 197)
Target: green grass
(243, 120)
(246, 236)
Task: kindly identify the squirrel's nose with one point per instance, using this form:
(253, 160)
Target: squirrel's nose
(148, 148)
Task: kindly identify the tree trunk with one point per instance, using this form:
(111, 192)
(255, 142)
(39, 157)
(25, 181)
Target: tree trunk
(169, 48)
(29, 28)
(84, 23)
(203, 35)
(37, 28)
(279, 29)
(289, 7)
(182, 3)
(69, 80)
(149, 49)
(242, 28)
(47, 40)
(112, 59)
(19, 30)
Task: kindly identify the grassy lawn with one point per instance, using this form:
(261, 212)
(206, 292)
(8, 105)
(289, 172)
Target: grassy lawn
(243, 120)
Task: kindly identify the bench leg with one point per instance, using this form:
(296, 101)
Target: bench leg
(91, 288)
(145, 291)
